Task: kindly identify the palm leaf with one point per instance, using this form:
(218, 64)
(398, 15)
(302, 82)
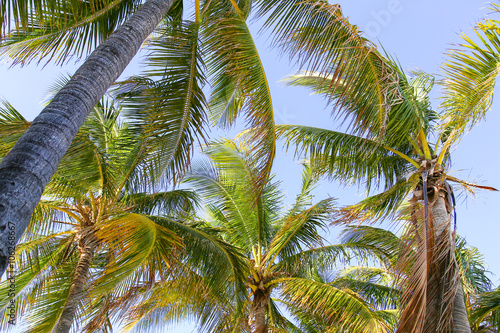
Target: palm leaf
(133, 241)
(166, 108)
(239, 83)
(61, 30)
(469, 79)
(346, 157)
(339, 308)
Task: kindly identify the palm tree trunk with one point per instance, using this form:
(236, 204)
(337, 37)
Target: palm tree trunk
(441, 219)
(88, 247)
(260, 304)
(29, 166)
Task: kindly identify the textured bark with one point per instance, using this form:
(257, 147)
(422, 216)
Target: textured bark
(260, 304)
(29, 166)
(442, 219)
(87, 247)
(460, 318)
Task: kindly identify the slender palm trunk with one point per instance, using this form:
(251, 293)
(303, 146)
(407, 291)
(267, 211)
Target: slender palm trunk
(88, 246)
(261, 301)
(441, 219)
(29, 166)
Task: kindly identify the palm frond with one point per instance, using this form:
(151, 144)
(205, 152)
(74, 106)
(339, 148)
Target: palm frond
(345, 157)
(486, 311)
(167, 203)
(166, 107)
(220, 263)
(60, 30)
(239, 83)
(370, 87)
(469, 79)
(339, 308)
(300, 231)
(12, 127)
(134, 241)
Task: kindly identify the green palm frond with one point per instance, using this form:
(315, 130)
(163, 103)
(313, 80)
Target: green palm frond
(384, 244)
(95, 159)
(346, 157)
(167, 203)
(228, 186)
(379, 206)
(469, 80)
(328, 258)
(339, 308)
(221, 263)
(60, 30)
(44, 314)
(166, 107)
(373, 284)
(134, 242)
(300, 231)
(239, 80)
(310, 179)
(486, 311)
(473, 271)
(366, 85)
(12, 126)
(35, 262)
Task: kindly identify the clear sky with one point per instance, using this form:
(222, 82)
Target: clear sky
(417, 33)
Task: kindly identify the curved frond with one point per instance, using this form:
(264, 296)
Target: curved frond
(133, 241)
(166, 107)
(61, 29)
(469, 79)
(239, 83)
(337, 308)
(346, 157)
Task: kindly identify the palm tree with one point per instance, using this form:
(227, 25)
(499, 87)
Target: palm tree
(280, 252)
(389, 142)
(91, 239)
(57, 30)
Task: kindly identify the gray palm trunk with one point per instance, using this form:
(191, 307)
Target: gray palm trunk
(87, 246)
(30, 165)
(442, 220)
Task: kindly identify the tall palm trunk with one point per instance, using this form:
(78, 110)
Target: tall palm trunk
(442, 226)
(29, 166)
(261, 301)
(88, 245)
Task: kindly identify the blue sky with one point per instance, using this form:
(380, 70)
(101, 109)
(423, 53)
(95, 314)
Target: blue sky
(417, 33)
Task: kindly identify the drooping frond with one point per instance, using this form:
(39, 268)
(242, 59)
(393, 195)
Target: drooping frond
(379, 206)
(59, 30)
(166, 106)
(239, 83)
(385, 245)
(345, 157)
(373, 284)
(366, 85)
(220, 263)
(165, 203)
(12, 127)
(36, 260)
(134, 242)
(336, 308)
(469, 80)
